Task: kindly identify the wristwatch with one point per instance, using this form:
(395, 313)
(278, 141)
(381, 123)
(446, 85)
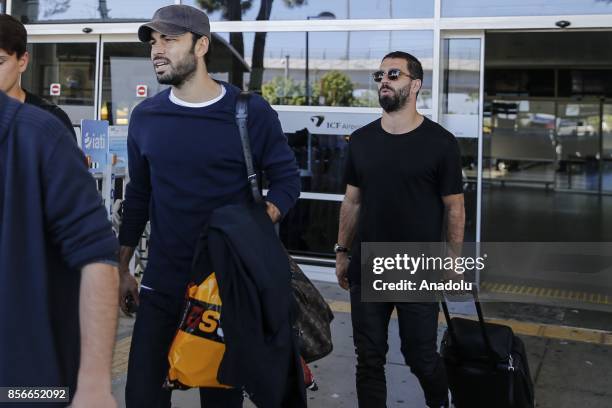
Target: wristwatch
(340, 248)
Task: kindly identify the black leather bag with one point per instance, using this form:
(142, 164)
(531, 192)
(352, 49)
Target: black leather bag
(314, 315)
(486, 364)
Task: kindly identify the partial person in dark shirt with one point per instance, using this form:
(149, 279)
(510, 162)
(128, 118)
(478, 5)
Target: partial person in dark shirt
(58, 256)
(185, 161)
(14, 61)
(403, 179)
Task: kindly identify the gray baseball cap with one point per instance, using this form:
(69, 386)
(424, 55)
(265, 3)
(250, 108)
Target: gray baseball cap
(176, 20)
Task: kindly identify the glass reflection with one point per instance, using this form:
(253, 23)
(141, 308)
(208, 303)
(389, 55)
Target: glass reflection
(321, 159)
(301, 9)
(460, 90)
(606, 126)
(339, 65)
(72, 66)
(36, 11)
(491, 8)
(126, 70)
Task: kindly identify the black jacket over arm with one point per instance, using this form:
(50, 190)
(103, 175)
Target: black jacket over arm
(254, 279)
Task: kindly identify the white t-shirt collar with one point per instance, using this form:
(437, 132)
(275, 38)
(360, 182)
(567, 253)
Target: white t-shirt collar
(174, 99)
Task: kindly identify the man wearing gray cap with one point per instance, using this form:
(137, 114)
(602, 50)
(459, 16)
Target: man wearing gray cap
(185, 160)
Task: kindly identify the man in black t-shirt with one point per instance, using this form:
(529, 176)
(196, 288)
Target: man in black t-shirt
(403, 177)
(14, 61)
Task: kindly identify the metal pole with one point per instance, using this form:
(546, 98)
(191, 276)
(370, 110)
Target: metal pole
(307, 73)
(601, 146)
(286, 66)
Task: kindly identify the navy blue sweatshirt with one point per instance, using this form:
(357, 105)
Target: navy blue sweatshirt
(185, 162)
(52, 223)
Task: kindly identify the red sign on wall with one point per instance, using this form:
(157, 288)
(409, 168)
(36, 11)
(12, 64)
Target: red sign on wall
(141, 91)
(55, 89)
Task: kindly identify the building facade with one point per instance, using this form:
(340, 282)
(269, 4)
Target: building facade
(525, 85)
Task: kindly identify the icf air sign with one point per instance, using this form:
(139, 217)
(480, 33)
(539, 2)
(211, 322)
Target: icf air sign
(321, 122)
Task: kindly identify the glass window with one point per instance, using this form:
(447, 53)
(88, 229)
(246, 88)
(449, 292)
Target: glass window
(520, 82)
(321, 159)
(491, 8)
(583, 82)
(127, 79)
(311, 227)
(39, 11)
(2, 6)
(607, 147)
(339, 65)
(64, 73)
(461, 76)
(309, 9)
(460, 86)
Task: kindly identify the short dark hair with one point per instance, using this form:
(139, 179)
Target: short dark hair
(414, 65)
(13, 35)
(195, 38)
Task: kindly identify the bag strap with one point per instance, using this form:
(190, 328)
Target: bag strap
(483, 328)
(242, 114)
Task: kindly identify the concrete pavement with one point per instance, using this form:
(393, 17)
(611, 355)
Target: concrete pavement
(571, 367)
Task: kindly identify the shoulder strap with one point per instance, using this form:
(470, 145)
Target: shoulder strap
(242, 114)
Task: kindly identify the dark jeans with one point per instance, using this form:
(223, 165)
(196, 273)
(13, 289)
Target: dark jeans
(156, 322)
(418, 328)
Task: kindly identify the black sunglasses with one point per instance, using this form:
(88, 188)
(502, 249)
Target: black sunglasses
(393, 75)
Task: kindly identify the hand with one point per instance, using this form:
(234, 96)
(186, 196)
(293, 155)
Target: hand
(342, 263)
(273, 212)
(128, 286)
(93, 398)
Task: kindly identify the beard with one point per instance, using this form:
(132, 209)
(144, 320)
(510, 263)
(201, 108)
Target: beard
(395, 101)
(180, 72)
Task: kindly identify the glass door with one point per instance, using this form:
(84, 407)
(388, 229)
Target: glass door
(127, 77)
(579, 145)
(62, 69)
(606, 157)
(460, 111)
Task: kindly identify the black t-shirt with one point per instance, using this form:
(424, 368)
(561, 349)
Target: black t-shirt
(402, 179)
(53, 109)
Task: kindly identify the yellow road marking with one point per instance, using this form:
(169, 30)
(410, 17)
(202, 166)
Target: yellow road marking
(550, 331)
(550, 293)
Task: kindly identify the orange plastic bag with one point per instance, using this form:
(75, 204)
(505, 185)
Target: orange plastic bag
(198, 347)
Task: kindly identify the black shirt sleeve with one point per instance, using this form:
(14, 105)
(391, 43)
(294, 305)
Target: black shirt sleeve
(450, 177)
(350, 174)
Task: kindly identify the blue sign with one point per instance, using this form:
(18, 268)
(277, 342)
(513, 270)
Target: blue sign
(117, 145)
(94, 142)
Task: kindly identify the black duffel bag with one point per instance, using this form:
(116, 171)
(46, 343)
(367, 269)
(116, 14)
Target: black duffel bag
(314, 316)
(486, 364)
